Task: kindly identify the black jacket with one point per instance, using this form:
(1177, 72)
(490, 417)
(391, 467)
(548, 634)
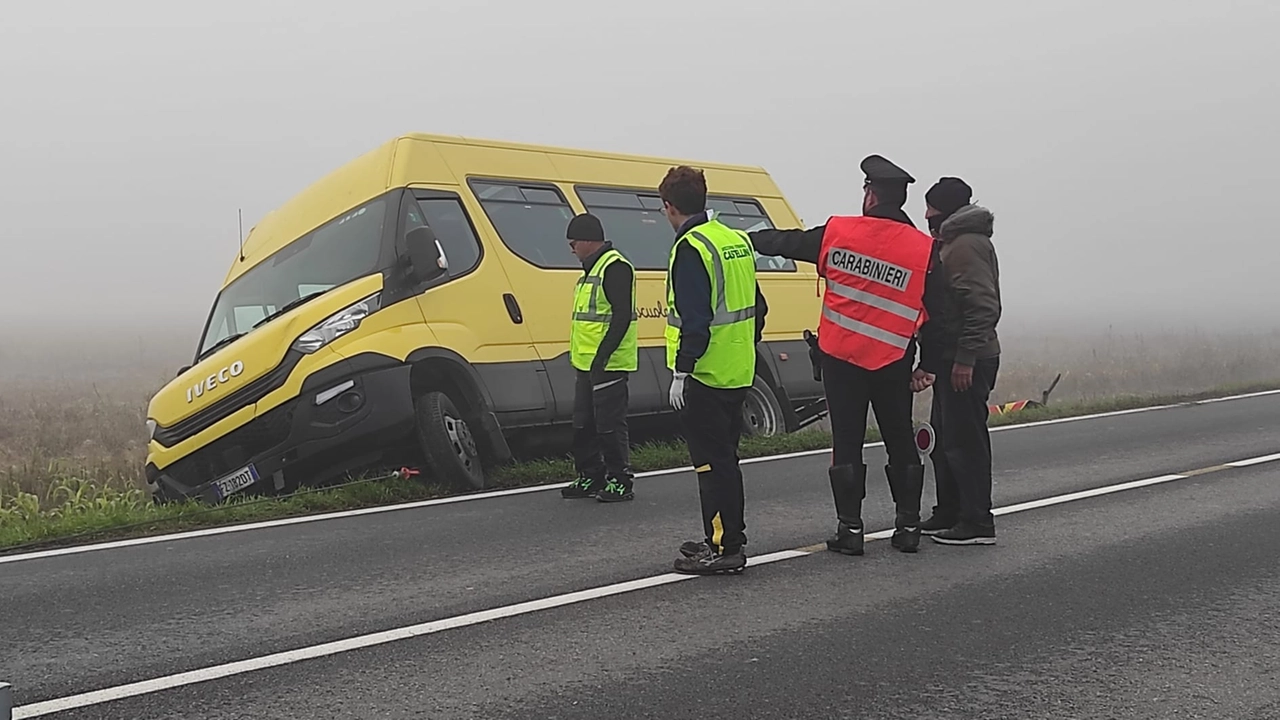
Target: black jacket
(692, 287)
(616, 285)
(806, 246)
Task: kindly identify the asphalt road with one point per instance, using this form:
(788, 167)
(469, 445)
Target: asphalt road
(1157, 602)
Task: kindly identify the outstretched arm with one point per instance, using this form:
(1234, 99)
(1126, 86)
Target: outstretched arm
(803, 245)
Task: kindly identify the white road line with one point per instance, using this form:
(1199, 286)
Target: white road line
(342, 514)
(215, 672)
(1254, 461)
(289, 657)
(1083, 494)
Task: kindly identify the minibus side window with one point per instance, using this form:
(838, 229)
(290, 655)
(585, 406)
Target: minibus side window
(748, 216)
(448, 219)
(531, 220)
(633, 220)
(635, 223)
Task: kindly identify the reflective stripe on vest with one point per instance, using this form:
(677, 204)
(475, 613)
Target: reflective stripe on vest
(874, 301)
(730, 261)
(722, 314)
(592, 315)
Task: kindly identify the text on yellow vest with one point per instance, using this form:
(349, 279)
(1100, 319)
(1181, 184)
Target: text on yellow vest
(727, 254)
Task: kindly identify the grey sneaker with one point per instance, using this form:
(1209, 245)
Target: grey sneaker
(694, 549)
(708, 562)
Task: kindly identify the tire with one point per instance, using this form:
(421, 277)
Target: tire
(761, 411)
(451, 452)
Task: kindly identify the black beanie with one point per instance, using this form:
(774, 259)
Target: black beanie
(585, 227)
(948, 195)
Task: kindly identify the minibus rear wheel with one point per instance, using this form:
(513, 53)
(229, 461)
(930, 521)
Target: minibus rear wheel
(451, 452)
(761, 411)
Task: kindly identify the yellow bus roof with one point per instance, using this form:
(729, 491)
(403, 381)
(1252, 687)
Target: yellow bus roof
(556, 150)
(370, 174)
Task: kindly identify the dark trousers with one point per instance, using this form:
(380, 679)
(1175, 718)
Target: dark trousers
(850, 390)
(601, 441)
(962, 457)
(712, 420)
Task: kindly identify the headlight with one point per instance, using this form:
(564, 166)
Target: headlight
(151, 429)
(336, 325)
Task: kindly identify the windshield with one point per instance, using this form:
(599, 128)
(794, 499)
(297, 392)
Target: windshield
(334, 254)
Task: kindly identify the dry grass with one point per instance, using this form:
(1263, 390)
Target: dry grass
(75, 408)
(72, 413)
(1110, 364)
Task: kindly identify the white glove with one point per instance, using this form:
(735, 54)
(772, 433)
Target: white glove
(677, 390)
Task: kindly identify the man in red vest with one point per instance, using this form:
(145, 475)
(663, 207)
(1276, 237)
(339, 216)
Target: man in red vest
(875, 267)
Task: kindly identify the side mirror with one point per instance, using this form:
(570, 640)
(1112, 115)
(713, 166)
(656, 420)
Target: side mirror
(425, 254)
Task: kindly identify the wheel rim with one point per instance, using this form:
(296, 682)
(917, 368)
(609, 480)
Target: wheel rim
(758, 414)
(464, 445)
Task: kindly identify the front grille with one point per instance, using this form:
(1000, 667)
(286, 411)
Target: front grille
(234, 450)
(224, 408)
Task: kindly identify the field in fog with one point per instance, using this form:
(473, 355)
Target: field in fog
(74, 406)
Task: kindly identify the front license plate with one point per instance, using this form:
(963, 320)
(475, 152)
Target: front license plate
(235, 482)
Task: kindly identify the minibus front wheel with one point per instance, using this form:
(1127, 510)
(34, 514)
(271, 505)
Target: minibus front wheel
(450, 449)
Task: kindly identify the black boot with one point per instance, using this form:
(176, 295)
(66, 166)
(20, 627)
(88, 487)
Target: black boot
(849, 488)
(906, 483)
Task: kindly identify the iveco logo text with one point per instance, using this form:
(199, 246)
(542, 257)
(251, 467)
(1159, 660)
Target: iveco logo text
(199, 389)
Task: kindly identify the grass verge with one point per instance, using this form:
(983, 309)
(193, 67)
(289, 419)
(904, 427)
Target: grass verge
(87, 512)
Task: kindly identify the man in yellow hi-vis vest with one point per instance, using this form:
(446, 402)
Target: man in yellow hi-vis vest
(603, 348)
(715, 317)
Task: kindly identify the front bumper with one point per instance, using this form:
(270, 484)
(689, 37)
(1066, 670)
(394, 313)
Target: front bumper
(345, 416)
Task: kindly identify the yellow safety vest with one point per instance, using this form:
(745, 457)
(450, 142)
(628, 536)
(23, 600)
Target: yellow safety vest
(592, 314)
(730, 260)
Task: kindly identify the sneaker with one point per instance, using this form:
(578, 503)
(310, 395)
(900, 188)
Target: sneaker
(711, 563)
(694, 549)
(935, 525)
(615, 491)
(581, 488)
(966, 533)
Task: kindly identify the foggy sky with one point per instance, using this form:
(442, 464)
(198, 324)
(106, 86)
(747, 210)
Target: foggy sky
(1127, 149)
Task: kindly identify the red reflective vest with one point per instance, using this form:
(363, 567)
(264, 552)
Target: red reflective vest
(874, 299)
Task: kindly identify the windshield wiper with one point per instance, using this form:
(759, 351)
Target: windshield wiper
(221, 343)
(287, 307)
